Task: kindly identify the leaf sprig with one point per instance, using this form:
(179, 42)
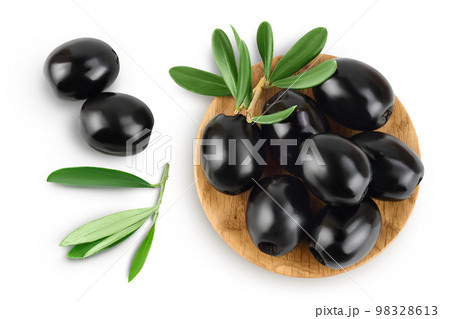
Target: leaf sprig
(235, 79)
(106, 232)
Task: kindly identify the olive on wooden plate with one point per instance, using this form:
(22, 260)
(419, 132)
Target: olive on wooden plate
(116, 123)
(81, 68)
(342, 236)
(278, 214)
(286, 137)
(232, 153)
(338, 172)
(356, 96)
(397, 169)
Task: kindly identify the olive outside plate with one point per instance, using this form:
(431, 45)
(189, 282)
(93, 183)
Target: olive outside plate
(227, 213)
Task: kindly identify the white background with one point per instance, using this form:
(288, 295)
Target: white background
(190, 271)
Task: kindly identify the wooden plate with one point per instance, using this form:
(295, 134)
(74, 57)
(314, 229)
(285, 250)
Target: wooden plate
(227, 213)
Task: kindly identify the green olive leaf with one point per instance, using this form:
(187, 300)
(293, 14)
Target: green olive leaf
(106, 226)
(80, 250)
(248, 97)
(141, 255)
(225, 60)
(198, 81)
(97, 177)
(245, 71)
(237, 38)
(274, 117)
(105, 243)
(305, 50)
(264, 39)
(310, 78)
(244, 75)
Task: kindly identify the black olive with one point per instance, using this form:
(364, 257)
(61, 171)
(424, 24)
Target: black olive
(356, 96)
(117, 124)
(81, 68)
(232, 153)
(278, 214)
(336, 170)
(306, 120)
(344, 235)
(397, 170)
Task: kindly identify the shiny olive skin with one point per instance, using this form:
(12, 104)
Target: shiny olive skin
(81, 68)
(110, 120)
(305, 121)
(273, 229)
(356, 96)
(342, 236)
(230, 169)
(397, 169)
(338, 172)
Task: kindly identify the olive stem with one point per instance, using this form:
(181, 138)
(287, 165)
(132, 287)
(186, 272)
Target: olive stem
(162, 185)
(256, 95)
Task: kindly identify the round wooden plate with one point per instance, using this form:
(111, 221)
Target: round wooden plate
(227, 213)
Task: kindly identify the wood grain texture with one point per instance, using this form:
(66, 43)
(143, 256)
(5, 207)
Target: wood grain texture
(227, 213)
